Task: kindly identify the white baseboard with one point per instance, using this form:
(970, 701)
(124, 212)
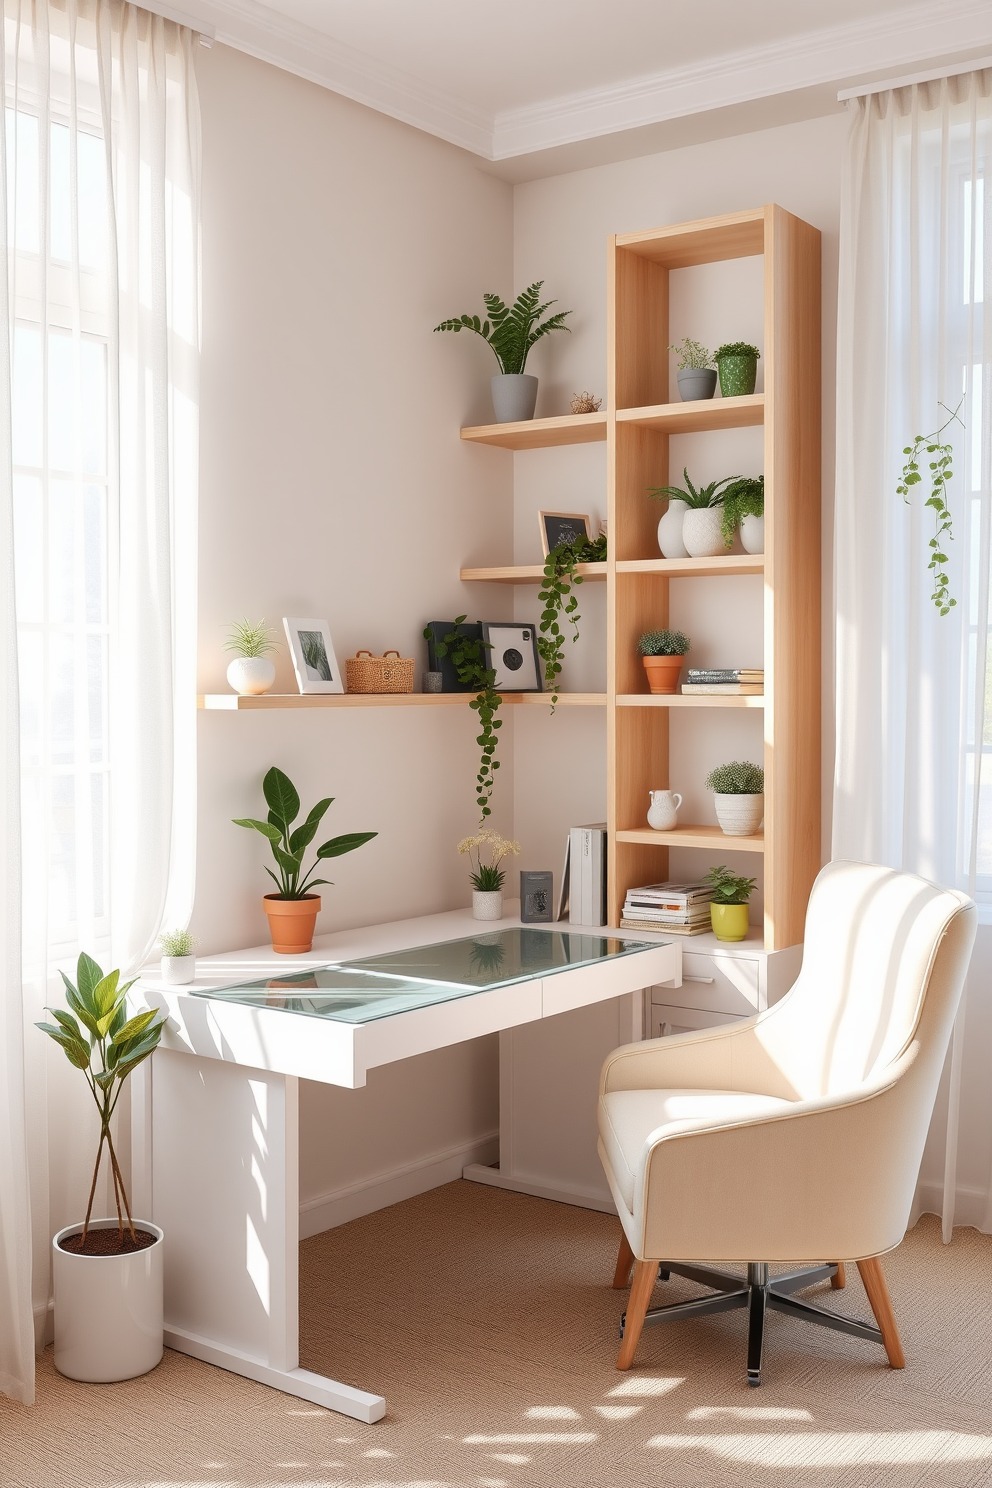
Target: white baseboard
(969, 1204)
(326, 1211)
(579, 1198)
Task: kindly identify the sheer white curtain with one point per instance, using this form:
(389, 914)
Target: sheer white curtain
(100, 397)
(913, 783)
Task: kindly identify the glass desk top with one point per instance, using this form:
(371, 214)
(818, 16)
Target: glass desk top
(373, 987)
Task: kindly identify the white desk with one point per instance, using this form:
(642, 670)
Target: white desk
(215, 1140)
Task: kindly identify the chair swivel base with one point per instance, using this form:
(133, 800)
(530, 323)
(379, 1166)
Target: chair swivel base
(756, 1293)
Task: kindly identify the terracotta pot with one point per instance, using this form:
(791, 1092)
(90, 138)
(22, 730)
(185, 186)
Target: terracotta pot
(663, 672)
(729, 921)
(291, 922)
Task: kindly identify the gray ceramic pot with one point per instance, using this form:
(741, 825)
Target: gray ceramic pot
(696, 383)
(514, 397)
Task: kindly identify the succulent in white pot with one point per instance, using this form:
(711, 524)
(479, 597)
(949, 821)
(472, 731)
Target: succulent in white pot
(702, 521)
(487, 879)
(251, 672)
(178, 958)
(738, 794)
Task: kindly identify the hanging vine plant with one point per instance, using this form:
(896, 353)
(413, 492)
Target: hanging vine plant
(471, 664)
(558, 602)
(941, 471)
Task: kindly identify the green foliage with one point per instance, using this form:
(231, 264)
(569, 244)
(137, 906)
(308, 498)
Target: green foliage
(739, 778)
(663, 643)
(107, 1047)
(736, 349)
(471, 664)
(710, 495)
(250, 639)
(941, 472)
(511, 330)
(692, 354)
(177, 943)
(744, 497)
(488, 878)
(728, 888)
(289, 845)
(558, 599)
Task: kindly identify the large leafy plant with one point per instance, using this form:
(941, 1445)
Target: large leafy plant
(107, 1047)
(694, 497)
(511, 330)
(471, 663)
(558, 600)
(289, 844)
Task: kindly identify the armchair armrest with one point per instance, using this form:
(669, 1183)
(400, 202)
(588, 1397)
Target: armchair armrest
(704, 1059)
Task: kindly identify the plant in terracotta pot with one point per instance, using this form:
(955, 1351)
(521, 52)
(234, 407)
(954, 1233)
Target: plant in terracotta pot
(293, 910)
(737, 364)
(728, 907)
(107, 1272)
(744, 507)
(696, 373)
(251, 671)
(662, 652)
(701, 508)
(738, 793)
(511, 331)
(487, 879)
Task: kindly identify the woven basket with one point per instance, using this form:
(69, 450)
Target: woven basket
(389, 673)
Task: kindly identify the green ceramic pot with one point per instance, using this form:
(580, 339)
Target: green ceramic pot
(738, 375)
(729, 921)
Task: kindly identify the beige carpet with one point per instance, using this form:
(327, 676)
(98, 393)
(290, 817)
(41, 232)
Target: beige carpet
(487, 1320)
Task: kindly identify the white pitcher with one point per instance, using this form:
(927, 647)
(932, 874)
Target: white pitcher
(664, 805)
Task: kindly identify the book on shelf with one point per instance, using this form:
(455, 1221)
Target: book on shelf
(666, 916)
(587, 875)
(672, 894)
(627, 923)
(725, 674)
(723, 689)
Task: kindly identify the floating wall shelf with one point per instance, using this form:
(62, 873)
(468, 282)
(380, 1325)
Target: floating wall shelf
(528, 573)
(545, 433)
(698, 417)
(232, 702)
(688, 836)
(687, 700)
(695, 568)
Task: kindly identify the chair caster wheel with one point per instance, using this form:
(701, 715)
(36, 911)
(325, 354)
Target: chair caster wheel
(664, 1275)
(754, 1380)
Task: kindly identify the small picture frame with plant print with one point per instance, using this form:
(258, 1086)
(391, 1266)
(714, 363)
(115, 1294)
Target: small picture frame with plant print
(314, 662)
(562, 527)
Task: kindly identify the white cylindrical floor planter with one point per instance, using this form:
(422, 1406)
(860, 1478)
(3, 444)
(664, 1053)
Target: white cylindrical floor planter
(108, 1309)
(487, 906)
(739, 816)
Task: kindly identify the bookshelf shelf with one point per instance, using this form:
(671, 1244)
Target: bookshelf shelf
(527, 573)
(232, 702)
(544, 433)
(694, 836)
(700, 417)
(686, 700)
(693, 568)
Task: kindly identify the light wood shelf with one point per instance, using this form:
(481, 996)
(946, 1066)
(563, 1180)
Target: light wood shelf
(698, 417)
(694, 836)
(232, 702)
(527, 573)
(698, 568)
(687, 700)
(544, 433)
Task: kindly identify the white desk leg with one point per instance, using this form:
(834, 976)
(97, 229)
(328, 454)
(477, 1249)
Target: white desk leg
(225, 1189)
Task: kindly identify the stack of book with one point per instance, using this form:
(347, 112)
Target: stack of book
(740, 681)
(675, 908)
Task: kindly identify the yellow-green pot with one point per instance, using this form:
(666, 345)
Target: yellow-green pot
(729, 921)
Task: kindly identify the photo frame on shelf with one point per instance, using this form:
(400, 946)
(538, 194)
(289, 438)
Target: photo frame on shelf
(314, 661)
(513, 654)
(562, 527)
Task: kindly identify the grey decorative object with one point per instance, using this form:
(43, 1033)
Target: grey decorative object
(696, 383)
(433, 681)
(514, 397)
(536, 897)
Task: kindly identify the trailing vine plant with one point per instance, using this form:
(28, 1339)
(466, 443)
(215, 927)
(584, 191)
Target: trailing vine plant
(941, 472)
(558, 600)
(471, 664)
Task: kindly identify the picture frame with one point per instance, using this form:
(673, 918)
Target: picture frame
(314, 661)
(559, 527)
(512, 653)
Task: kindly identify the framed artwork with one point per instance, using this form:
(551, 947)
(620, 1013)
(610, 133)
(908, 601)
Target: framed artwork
(561, 527)
(512, 651)
(314, 662)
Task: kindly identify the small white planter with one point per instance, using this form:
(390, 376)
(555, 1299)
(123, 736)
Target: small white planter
(251, 675)
(701, 531)
(753, 534)
(739, 816)
(670, 530)
(178, 970)
(487, 906)
(108, 1309)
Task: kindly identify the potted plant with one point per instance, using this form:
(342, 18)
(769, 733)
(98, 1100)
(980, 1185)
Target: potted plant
(558, 599)
(662, 652)
(744, 507)
(737, 364)
(699, 516)
(728, 907)
(511, 331)
(178, 959)
(107, 1272)
(738, 794)
(487, 879)
(294, 909)
(696, 373)
(251, 672)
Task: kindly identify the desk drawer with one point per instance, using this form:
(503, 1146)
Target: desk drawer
(668, 1020)
(717, 984)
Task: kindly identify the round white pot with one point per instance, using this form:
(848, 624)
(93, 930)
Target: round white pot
(739, 816)
(701, 532)
(251, 675)
(753, 534)
(486, 906)
(514, 397)
(178, 970)
(108, 1309)
(670, 530)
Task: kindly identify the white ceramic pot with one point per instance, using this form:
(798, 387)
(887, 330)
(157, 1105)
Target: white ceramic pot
(664, 805)
(514, 397)
(487, 906)
(753, 534)
(701, 531)
(251, 675)
(178, 970)
(108, 1309)
(739, 816)
(670, 530)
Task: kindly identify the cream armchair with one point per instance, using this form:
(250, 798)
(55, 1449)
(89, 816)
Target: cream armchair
(795, 1135)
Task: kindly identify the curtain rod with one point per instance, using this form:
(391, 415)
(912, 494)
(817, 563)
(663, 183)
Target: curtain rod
(954, 69)
(207, 34)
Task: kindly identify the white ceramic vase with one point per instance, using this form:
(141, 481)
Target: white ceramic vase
(108, 1309)
(662, 813)
(251, 675)
(178, 970)
(739, 816)
(670, 530)
(487, 906)
(753, 534)
(701, 531)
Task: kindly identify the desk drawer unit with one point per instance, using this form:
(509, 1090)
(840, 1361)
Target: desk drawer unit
(720, 985)
(666, 1019)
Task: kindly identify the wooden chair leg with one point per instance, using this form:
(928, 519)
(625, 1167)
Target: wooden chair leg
(839, 1282)
(645, 1276)
(625, 1264)
(881, 1306)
